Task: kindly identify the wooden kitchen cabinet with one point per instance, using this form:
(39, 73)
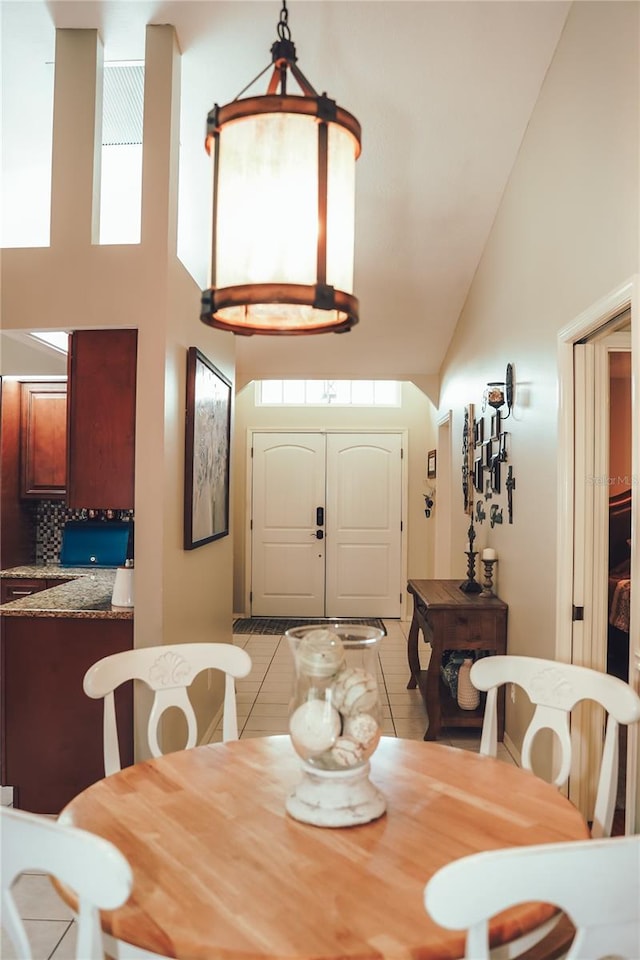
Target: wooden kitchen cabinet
(19, 587)
(101, 419)
(43, 440)
(17, 539)
(16, 588)
(51, 731)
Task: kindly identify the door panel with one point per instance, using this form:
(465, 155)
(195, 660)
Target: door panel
(363, 566)
(287, 561)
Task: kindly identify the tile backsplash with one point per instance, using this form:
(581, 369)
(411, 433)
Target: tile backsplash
(51, 516)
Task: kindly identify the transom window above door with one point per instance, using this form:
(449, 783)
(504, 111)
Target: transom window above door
(337, 393)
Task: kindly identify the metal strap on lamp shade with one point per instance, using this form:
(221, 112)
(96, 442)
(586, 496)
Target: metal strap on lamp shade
(283, 211)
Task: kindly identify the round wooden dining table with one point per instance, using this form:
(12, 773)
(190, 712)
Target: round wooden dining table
(222, 871)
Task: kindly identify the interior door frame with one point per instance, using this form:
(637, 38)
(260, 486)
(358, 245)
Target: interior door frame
(404, 492)
(625, 297)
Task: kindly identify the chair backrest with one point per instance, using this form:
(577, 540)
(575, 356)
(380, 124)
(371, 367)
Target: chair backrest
(96, 872)
(168, 671)
(555, 688)
(595, 882)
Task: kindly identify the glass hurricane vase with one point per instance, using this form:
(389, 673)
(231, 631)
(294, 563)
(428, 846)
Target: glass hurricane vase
(335, 721)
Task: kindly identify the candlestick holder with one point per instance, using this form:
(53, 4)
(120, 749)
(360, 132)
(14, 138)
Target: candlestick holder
(471, 585)
(487, 585)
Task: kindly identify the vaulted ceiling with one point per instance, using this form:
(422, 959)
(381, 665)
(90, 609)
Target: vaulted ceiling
(444, 92)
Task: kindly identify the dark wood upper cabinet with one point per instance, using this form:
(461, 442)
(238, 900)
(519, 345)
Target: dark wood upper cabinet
(43, 440)
(17, 536)
(101, 419)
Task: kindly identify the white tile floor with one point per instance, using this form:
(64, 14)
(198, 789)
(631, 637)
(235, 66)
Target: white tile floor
(262, 703)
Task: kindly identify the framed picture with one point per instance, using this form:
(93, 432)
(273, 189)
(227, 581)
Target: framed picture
(478, 471)
(478, 432)
(495, 474)
(495, 425)
(503, 447)
(488, 452)
(207, 443)
(431, 464)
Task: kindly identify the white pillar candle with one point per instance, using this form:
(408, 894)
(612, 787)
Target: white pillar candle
(489, 554)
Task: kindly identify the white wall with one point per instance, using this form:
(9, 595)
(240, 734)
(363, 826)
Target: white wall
(416, 415)
(180, 595)
(565, 235)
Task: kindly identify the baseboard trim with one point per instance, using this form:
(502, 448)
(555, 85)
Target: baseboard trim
(6, 796)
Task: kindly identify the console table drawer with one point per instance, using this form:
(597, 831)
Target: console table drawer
(471, 629)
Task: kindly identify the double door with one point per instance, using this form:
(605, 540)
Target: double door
(326, 524)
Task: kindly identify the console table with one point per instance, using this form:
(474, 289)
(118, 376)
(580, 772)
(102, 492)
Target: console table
(452, 620)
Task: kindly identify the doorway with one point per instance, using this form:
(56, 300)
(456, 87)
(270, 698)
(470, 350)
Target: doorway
(326, 524)
(584, 505)
(602, 523)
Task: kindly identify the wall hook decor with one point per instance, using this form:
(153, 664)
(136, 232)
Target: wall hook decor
(480, 512)
(428, 503)
(495, 515)
(510, 484)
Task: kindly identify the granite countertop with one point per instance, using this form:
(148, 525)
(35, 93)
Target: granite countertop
(87, 595)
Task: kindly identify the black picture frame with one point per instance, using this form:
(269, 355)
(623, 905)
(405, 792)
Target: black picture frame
(478, 432)
(495, 425)
(502, 453)
(207, 451)
(478, 475)
(488, 452)
(495, 474)
(431, 464)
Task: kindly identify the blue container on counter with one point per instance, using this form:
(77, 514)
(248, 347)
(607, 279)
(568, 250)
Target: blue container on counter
(95, 544)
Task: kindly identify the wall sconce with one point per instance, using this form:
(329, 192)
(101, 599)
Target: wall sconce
(499, 392)
(283, 207)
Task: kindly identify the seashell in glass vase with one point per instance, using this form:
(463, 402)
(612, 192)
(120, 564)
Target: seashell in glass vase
(335, 723)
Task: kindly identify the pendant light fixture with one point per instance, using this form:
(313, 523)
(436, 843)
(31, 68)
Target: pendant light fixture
(283, 207)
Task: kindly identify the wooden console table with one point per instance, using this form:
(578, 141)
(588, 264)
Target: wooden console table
(452, 620)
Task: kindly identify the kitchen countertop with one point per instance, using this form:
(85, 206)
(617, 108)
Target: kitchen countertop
(87, 595)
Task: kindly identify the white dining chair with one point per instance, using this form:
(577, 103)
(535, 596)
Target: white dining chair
(168, 671)
(90, 866)
(555, 689)
(595, 882)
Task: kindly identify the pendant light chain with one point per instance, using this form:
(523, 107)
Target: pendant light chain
(284, 33)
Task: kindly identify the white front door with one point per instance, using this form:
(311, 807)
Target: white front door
(363, 546)
(287, 558)
(326, 525)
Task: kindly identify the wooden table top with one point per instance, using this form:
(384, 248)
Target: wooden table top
(221, 870)
(447, 595)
